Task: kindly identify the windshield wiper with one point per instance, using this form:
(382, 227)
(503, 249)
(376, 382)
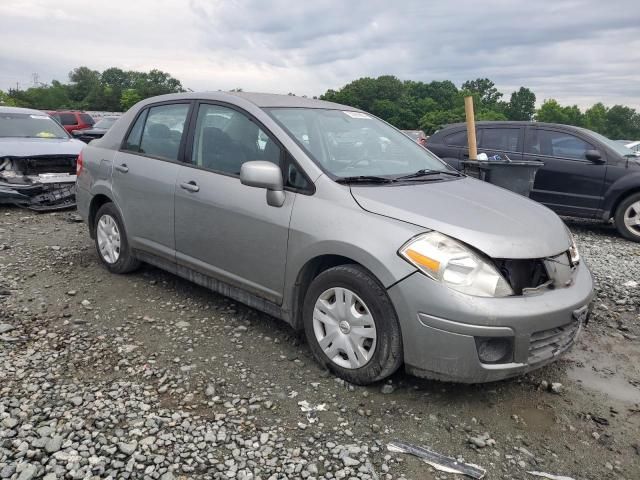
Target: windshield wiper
(425, 172)
(364, 179)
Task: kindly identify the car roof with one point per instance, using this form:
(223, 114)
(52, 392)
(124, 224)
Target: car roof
(507, 123)
(30, 111)
(261, 100)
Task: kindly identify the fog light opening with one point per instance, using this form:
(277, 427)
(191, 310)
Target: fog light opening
(494, 349)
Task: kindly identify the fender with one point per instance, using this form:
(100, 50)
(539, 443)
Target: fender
(617, 191)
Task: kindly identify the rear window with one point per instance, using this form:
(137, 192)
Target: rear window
(68, 118)
(86, 118)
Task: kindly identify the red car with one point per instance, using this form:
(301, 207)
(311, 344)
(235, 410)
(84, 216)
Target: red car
(72, 120)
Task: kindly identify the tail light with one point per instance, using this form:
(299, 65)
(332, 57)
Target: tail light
(79, 164)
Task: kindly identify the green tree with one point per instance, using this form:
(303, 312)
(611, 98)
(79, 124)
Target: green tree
(129, 98)
(522, 105)
(6, 100)
(595, 118)
(623, 123)
(485, 90)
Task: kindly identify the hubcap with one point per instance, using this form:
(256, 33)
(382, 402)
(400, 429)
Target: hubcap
(632, 218)
(108, 239)
(344, 328)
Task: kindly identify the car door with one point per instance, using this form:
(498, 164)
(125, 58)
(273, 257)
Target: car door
(144, 177)
(568, 183)
(450, 146)
(501, 140)
(224, 229)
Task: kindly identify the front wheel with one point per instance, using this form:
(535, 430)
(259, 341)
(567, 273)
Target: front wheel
(627, 217)
(351, 325)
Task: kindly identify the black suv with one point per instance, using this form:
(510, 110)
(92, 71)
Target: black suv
(584, 174)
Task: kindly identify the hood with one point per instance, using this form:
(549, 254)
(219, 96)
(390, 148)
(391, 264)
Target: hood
(33, 147)
(496, 221)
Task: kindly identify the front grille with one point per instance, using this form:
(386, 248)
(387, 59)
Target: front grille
(549, 343)
(523, 274)
(46, 164)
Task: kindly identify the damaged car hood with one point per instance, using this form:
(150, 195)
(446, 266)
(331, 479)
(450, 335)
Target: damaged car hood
(497, 222)
(32, 147)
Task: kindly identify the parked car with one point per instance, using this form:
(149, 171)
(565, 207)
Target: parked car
(96, 131)
(417, 135)
(37, 160)
(634, 147)
(72, 120)
(584, 174)
(382, 255)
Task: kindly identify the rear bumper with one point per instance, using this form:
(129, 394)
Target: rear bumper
(440, 327)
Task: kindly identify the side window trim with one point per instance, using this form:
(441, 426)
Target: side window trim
(145, 111)
(284, 153)
(552, 130)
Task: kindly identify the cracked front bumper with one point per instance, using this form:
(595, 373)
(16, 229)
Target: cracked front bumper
(440, 327)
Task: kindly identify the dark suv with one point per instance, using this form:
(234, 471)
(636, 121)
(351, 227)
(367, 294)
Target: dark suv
(584, 175)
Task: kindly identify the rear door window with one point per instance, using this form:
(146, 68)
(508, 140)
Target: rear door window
(86, 118)
(68, 119)
(504, 139)
(556, 144)
(162, 132)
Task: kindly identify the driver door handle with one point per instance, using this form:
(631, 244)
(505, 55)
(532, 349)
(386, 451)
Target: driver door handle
(122, 168)
(190, 186)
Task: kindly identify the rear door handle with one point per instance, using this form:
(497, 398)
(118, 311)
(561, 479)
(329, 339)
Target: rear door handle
(190, 186)
(122, 168)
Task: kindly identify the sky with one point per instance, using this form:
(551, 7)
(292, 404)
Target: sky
(576, 51)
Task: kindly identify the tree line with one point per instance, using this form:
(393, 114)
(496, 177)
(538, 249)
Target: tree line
(406, 104)
(429, 106)
(112, 90)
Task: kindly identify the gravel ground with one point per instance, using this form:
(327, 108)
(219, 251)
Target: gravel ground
(149, 376)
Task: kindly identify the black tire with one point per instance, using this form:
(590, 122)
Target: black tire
(624, 230)
(388, 353)
(126, 262)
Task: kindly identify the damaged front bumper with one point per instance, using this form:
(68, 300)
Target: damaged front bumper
(27, 183)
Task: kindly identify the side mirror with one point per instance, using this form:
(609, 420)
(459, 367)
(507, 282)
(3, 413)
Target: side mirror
(593, 156)
(267, 175)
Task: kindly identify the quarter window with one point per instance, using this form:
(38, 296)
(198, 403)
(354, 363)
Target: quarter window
(225, 139)
(162, 131)
(504, 139)
(556, 144)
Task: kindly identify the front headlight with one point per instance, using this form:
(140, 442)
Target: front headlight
(574, 255)
(457, 266)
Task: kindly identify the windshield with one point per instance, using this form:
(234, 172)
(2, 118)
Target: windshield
(27, 125)
(105, 123)
(350, 144)
(619, 148)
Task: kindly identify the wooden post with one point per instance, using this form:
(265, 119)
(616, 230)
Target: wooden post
(471, 128)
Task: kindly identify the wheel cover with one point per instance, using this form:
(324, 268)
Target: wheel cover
(632, 218)
(344, 328)
(108, 239)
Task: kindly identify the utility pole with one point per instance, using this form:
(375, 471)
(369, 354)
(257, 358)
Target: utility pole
(35, 79)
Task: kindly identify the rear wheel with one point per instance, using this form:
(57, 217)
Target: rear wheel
(627, 217)
(351, 325)
(111, 241)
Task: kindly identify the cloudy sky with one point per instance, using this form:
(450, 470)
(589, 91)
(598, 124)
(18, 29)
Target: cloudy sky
(577, 51)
